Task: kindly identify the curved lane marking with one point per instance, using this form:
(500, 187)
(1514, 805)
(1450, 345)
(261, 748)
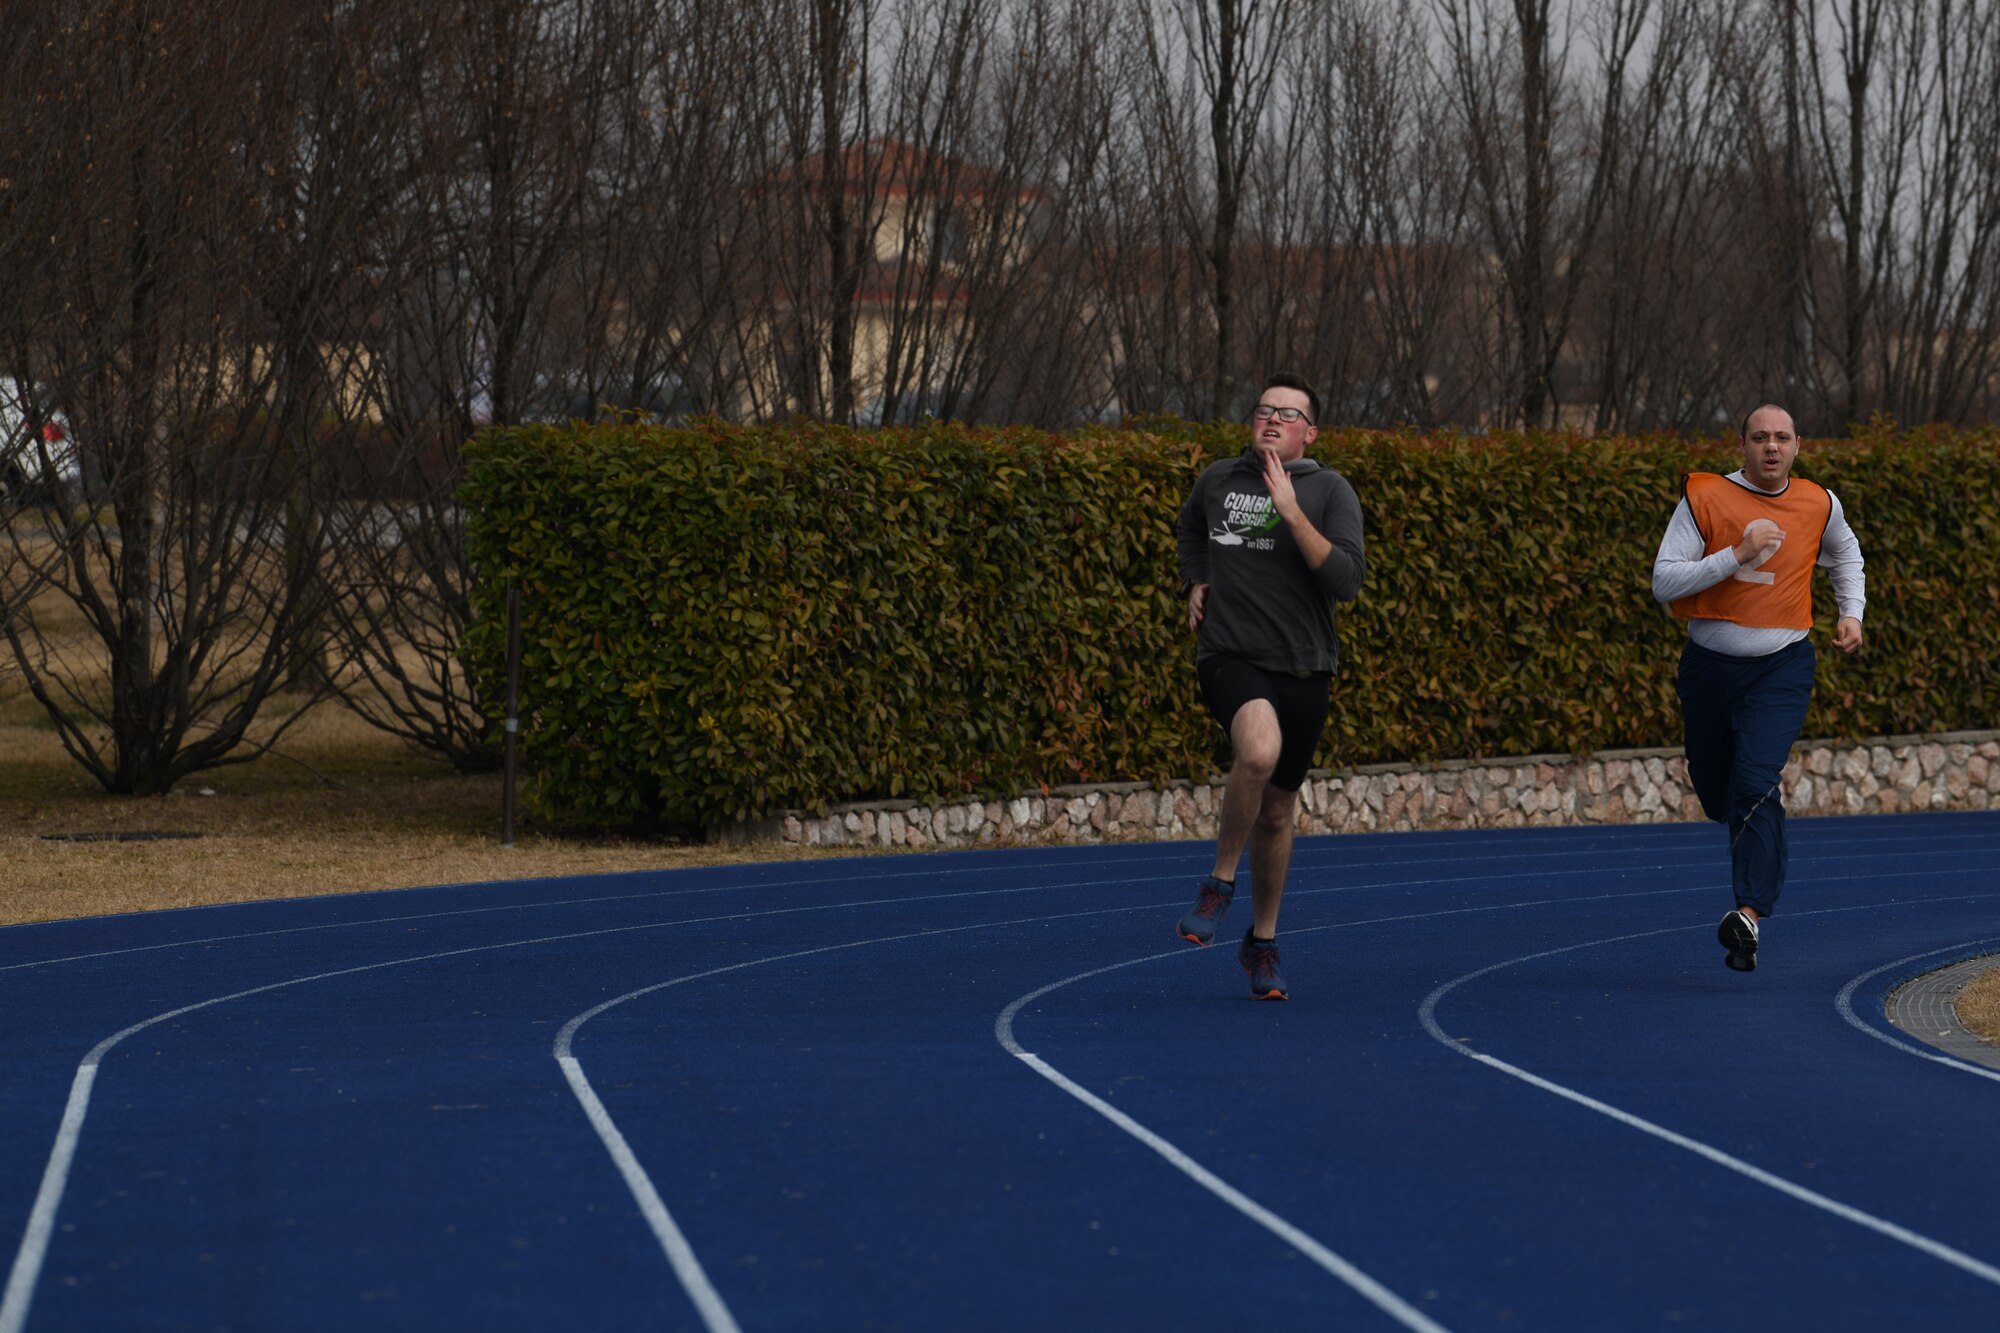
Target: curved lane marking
(1326, 1258)
(1300, 865)
(1844, 1002)
(32, 1252)
(680, 1252)
(28, 1259)
(1427, 1012)
(673, 1241)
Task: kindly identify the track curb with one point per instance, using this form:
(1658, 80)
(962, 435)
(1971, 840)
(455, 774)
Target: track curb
(1923, 1008)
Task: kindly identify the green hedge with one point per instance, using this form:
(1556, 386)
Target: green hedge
(723, 621)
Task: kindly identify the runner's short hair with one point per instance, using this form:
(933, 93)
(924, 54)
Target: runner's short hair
(1284, 379)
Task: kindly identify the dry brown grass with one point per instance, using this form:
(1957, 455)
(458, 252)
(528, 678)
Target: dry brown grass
(341, 807)
(1978, 1005)
(278, 827)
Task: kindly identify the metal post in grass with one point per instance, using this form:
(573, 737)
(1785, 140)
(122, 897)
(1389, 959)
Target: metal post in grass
(513, 712)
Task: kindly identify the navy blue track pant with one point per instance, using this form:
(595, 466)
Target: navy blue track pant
(1742, 715)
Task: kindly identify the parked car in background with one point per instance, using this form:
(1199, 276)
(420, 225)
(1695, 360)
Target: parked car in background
(38, 457)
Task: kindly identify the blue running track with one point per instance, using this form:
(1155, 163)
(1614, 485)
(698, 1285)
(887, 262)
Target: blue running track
(1515, 1088)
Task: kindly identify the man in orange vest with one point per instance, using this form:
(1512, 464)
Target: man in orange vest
(1737, 564)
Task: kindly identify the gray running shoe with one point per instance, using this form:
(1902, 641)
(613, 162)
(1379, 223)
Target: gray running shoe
(1211, 904)
(1261, 962)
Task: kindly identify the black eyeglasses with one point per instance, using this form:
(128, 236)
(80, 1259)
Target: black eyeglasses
(1285, 414)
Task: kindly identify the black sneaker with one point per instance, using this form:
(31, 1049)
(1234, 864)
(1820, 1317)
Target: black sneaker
(1738, 934)
(1211, 904)
(1261, 962)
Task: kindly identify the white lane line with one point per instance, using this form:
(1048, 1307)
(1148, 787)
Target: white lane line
(1337, 859)
(635, 897)
(666, 1230)
(42, 1217)
(28, 1258)
(673, 1241)
(680, 1254)
(344, 925)
(1374, 1292)
(1844, 1002)
(1427, 1012)
(782, 911)
(32, 1252)
(1326, 1258)
(656, 895)
(1341, 1268)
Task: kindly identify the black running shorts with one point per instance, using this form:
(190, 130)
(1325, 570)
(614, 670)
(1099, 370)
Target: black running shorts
(1227, 683)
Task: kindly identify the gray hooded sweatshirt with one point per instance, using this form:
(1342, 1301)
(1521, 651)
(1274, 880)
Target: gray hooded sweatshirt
(1264, 605)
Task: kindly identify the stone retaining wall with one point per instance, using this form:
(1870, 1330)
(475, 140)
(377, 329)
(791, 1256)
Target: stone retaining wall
(1955, 771)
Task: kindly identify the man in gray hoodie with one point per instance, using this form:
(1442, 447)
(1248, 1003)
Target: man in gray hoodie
(1269, 542)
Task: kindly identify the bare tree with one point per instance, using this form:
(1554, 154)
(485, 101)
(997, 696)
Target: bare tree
(1767, 187)
(1541, 164)
(1865, 119)
(966, 221)
(140, 319)
(1412, 185)
(661, 246)
(483, 314)
(1658, 334)
(1358, 222)
(1137, 210)
(1030, 342)
(1223, 56)
(926, 197)
(332, 114)
(28, 190)
(1937, 334)
(811, 202)
(1301, 267)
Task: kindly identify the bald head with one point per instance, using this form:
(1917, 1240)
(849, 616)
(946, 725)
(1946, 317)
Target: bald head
(1769, 444)
(1743, 429)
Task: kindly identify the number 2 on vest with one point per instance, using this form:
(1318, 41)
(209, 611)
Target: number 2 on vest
(1749, 573)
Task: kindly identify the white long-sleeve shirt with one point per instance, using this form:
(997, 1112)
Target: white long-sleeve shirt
(1683, 567)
